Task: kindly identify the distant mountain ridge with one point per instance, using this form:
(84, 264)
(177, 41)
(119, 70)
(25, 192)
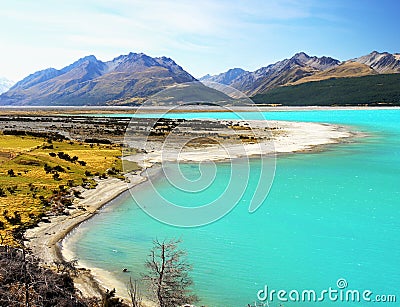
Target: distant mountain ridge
(5, 84)
(302, 68)
(226, 77)
(279, 73)
(89, 81)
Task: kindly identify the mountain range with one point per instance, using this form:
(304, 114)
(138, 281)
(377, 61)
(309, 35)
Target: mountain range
(131, 79)
(88, 81)
(302, 68)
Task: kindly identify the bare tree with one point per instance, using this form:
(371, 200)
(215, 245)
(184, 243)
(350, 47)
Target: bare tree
(134, 293)
(168, 274)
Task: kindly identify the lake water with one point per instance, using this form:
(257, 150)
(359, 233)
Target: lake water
(329, 215)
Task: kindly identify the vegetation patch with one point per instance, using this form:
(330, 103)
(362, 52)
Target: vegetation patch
(36, 175)
(376, 90)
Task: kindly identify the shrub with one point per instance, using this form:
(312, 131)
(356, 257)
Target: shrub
(13, 220)
(20, 271)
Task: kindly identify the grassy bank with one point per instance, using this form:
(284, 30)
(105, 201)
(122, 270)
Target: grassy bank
(36, 175)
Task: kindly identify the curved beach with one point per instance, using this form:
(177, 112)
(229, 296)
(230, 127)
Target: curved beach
(46, 239)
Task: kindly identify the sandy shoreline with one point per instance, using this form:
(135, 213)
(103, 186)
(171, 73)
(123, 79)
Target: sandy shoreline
(45, 240)
(291, 137)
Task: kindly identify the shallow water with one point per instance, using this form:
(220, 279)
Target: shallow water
(329, 215)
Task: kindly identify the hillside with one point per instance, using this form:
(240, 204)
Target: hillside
(345, 70)
(126, 79)
(380, 89)
(196, 93)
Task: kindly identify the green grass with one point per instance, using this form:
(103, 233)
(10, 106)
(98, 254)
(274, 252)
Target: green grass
(367, 90)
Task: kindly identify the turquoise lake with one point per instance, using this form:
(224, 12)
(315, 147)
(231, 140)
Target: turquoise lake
(329, 215)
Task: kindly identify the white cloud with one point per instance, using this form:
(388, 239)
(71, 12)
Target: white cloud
(51, 33)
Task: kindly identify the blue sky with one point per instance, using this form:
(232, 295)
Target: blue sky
(207, 36)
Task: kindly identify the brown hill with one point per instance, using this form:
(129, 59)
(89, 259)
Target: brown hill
(345, 70)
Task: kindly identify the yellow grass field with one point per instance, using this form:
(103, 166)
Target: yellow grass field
(26, 187)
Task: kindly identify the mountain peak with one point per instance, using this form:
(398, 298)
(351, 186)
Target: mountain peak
(301, 55)
(205, 77)
(236, 69)
(90, 58)
(85, 59)
(378, 53)
(226, 78)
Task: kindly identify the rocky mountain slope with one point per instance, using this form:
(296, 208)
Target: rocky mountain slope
(126, 79)
(381, 62)
(5, 84)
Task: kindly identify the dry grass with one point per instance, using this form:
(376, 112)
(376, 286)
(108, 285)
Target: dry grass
(239, 127)
(27, 189)
(344, 70)
(18, 144)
